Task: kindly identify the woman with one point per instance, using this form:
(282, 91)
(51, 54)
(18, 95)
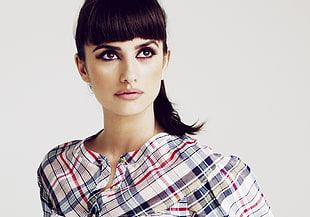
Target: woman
(143, 163)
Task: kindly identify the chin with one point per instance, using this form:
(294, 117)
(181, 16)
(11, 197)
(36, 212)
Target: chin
(132, 112)
(127, 111)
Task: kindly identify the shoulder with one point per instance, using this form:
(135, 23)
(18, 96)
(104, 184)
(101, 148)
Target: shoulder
(57, 156)
(225, 178)
(188, 147)
(59, 150)
(203, 159)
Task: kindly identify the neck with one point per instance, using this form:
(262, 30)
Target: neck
(124, 134)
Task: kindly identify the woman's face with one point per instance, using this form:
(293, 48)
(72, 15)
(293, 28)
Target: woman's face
(125, 76)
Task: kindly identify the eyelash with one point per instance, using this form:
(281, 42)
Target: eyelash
(107, 52)
(113, 52)
(147, 49)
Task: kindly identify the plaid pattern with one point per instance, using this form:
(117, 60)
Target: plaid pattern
(168, 176)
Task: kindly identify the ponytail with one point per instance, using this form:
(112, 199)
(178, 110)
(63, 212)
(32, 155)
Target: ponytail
(169, 119)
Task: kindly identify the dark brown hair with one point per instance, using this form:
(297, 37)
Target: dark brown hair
(103, 21)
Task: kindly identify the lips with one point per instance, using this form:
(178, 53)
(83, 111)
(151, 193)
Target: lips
(129, 91)
(129, 94)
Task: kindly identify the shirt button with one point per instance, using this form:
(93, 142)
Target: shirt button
(114, 188)
(122, 160)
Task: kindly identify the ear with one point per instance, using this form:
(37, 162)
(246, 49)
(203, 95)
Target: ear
(166, 62)
(80, 64)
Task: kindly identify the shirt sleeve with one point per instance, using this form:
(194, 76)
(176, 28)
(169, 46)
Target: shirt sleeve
(231, 190)
(45, 201)
(244, 197)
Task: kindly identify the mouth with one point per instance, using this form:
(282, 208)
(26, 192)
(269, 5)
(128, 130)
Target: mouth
(129, 94)
(129, 91)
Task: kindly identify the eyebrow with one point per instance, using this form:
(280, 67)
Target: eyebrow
(110, 47)
(147, 44)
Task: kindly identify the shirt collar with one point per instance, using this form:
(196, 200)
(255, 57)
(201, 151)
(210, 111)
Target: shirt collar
(148, 148)
(90, 156)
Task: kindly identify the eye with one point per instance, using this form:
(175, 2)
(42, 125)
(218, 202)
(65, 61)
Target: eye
(146, 53)
(108, 55)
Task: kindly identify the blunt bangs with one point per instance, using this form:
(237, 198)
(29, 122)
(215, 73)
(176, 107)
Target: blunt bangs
(104, 21)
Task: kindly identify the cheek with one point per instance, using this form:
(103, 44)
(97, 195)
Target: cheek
(156, 71)
(101, 78)
(154, 81)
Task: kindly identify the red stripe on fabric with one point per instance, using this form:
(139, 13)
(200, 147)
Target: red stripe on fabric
(253, 206)
(93, 155)
(166, 183)
(59, 177)
(73, 175)
(234, 186)
(62, 150)
(133, 155)
(152, 144)
(136, 152)
(155, 169)
(122, 174)
(178, 209)
(230, 179)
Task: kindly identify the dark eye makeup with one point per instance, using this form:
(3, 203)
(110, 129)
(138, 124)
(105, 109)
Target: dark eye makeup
(108, 55)
(146, 52)
(143, 53)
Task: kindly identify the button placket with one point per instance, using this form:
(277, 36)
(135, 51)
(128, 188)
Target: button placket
(114, 188)
(119, 173)
(122, 160)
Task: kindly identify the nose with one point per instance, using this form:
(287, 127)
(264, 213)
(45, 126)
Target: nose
(128, 71)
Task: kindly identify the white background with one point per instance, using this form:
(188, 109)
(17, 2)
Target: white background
(243, 66)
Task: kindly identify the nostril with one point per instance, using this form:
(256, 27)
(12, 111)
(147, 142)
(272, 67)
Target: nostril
(130, 80)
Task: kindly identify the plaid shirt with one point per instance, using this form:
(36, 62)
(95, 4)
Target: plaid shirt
(167, 176)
